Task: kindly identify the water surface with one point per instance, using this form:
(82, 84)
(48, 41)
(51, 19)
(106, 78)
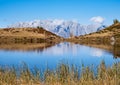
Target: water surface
(63, 52)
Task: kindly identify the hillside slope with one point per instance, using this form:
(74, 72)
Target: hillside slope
(32, 35)
(113, 30)
(107, 35)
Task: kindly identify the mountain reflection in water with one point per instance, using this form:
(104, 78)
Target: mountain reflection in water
(40, 54)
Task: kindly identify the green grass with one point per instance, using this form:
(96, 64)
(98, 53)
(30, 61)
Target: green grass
(64, 74)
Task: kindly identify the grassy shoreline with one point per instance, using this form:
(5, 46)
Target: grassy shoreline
(64, 74)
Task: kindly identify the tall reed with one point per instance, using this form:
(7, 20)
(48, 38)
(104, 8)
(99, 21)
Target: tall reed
(64, 74)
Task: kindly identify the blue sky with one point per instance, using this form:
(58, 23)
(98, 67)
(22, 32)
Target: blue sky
(12, 11)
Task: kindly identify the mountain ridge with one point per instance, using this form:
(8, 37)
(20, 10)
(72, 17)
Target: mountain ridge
(61, 27)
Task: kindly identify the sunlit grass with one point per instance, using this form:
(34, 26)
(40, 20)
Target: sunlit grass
(64, 74)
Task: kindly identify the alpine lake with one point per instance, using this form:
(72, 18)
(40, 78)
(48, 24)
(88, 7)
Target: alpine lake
(43, 55)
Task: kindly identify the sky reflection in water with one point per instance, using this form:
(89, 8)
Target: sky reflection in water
(64, 52)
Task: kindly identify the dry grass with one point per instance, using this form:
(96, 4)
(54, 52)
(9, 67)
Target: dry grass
(39, 32)
(64, 74)
(27, 35)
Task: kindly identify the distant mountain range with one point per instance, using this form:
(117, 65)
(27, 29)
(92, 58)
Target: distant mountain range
(61, 27)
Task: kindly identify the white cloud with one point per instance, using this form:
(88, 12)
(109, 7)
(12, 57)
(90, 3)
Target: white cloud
(97, 19)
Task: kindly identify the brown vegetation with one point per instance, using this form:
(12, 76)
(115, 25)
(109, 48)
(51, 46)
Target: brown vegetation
(33, 35)
(64, 74)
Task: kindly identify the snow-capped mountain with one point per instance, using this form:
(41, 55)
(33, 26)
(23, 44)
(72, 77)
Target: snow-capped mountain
(61, 27)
